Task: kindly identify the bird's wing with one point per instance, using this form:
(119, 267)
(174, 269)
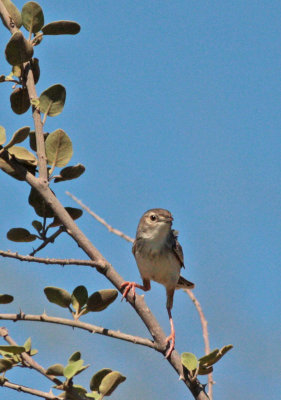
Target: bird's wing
(177, 248)
(134, 248)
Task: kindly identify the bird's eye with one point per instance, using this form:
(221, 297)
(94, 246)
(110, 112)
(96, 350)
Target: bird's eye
(153, 217)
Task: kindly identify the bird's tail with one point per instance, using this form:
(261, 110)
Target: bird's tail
(184, 284)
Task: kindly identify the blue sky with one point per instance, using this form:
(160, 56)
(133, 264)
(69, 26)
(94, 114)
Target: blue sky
(173, 105)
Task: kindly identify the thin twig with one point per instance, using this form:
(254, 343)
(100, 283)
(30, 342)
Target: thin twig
(204, 324)
(81, 325)
(51, 261)
(25, 389)
(48, 240)
(101, 220)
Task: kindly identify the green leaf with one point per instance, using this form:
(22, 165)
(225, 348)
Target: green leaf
(32, 140)
(19, 136)
(58, 148)
(79, 389)
(6, 298)
(56, 370)
(17, 71)
(5, 364)
(34, 64)
(23, 155)
(100, 300)
(69, 173)
(93, 395)
(37, 225)
(18, 49)
(32, 17)
(209, 358)
(19, 100)
(204, 370)
(79, 297)
(190, 361)
(27, 345)
(74, 357)
(20, 235)
(61, 28)
(13, 11)
(33, 352)
(214, 356)
(58, 296)
(98, 377)
(40, 206)
(2, 78)
(52, 100)
(110, 382)
(2, 135)
(74, 368)
(12, 349)
(75, 213)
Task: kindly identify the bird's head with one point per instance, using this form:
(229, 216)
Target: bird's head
(155, 224)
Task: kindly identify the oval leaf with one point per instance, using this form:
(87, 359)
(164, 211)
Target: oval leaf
(5, 365)
(98, 377)
(209, 359)
(40, 206)
(32, 17)
(34, 64)
(74, 357)
(61, 28)
(58, 148)
(204, 370)
(75, 213)
(110, 382)
(19, 136)
(27, 345)
(23, 155)
(2, 135)
(20, 235)
(100, 300)
(69, 173)
(79, 297)
(52, 100)
(56, 370)
(190, 361)
(12, 349)
(58, 296)
(72, 368)
(13, 11)
(6, 298)
(19, 100)
(18, 49)
(37, 225)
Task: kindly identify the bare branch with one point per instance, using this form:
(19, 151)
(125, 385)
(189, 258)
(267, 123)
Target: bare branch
(101, 220)
(204, 324)
(51, 261)
(81, 325)
(25, 389)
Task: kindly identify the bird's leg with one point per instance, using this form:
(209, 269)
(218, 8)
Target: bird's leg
(132, 285)
(171, 337)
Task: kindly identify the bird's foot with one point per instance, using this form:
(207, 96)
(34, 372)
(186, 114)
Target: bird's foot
(128, 286)
(171, 338)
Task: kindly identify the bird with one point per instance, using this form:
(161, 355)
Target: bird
(159, 258)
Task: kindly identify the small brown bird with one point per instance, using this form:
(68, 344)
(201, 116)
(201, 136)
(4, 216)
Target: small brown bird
(159, 257)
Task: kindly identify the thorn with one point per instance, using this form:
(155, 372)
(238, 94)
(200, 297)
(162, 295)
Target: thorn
(181, 377)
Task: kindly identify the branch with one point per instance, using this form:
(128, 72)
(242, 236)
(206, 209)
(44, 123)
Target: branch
(25, 389)
(204, 324)
(101, 220)
(51, 261)
(81, 325)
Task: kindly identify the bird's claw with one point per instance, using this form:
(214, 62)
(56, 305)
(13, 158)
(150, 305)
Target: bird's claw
(128, 286)
(171, 338)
